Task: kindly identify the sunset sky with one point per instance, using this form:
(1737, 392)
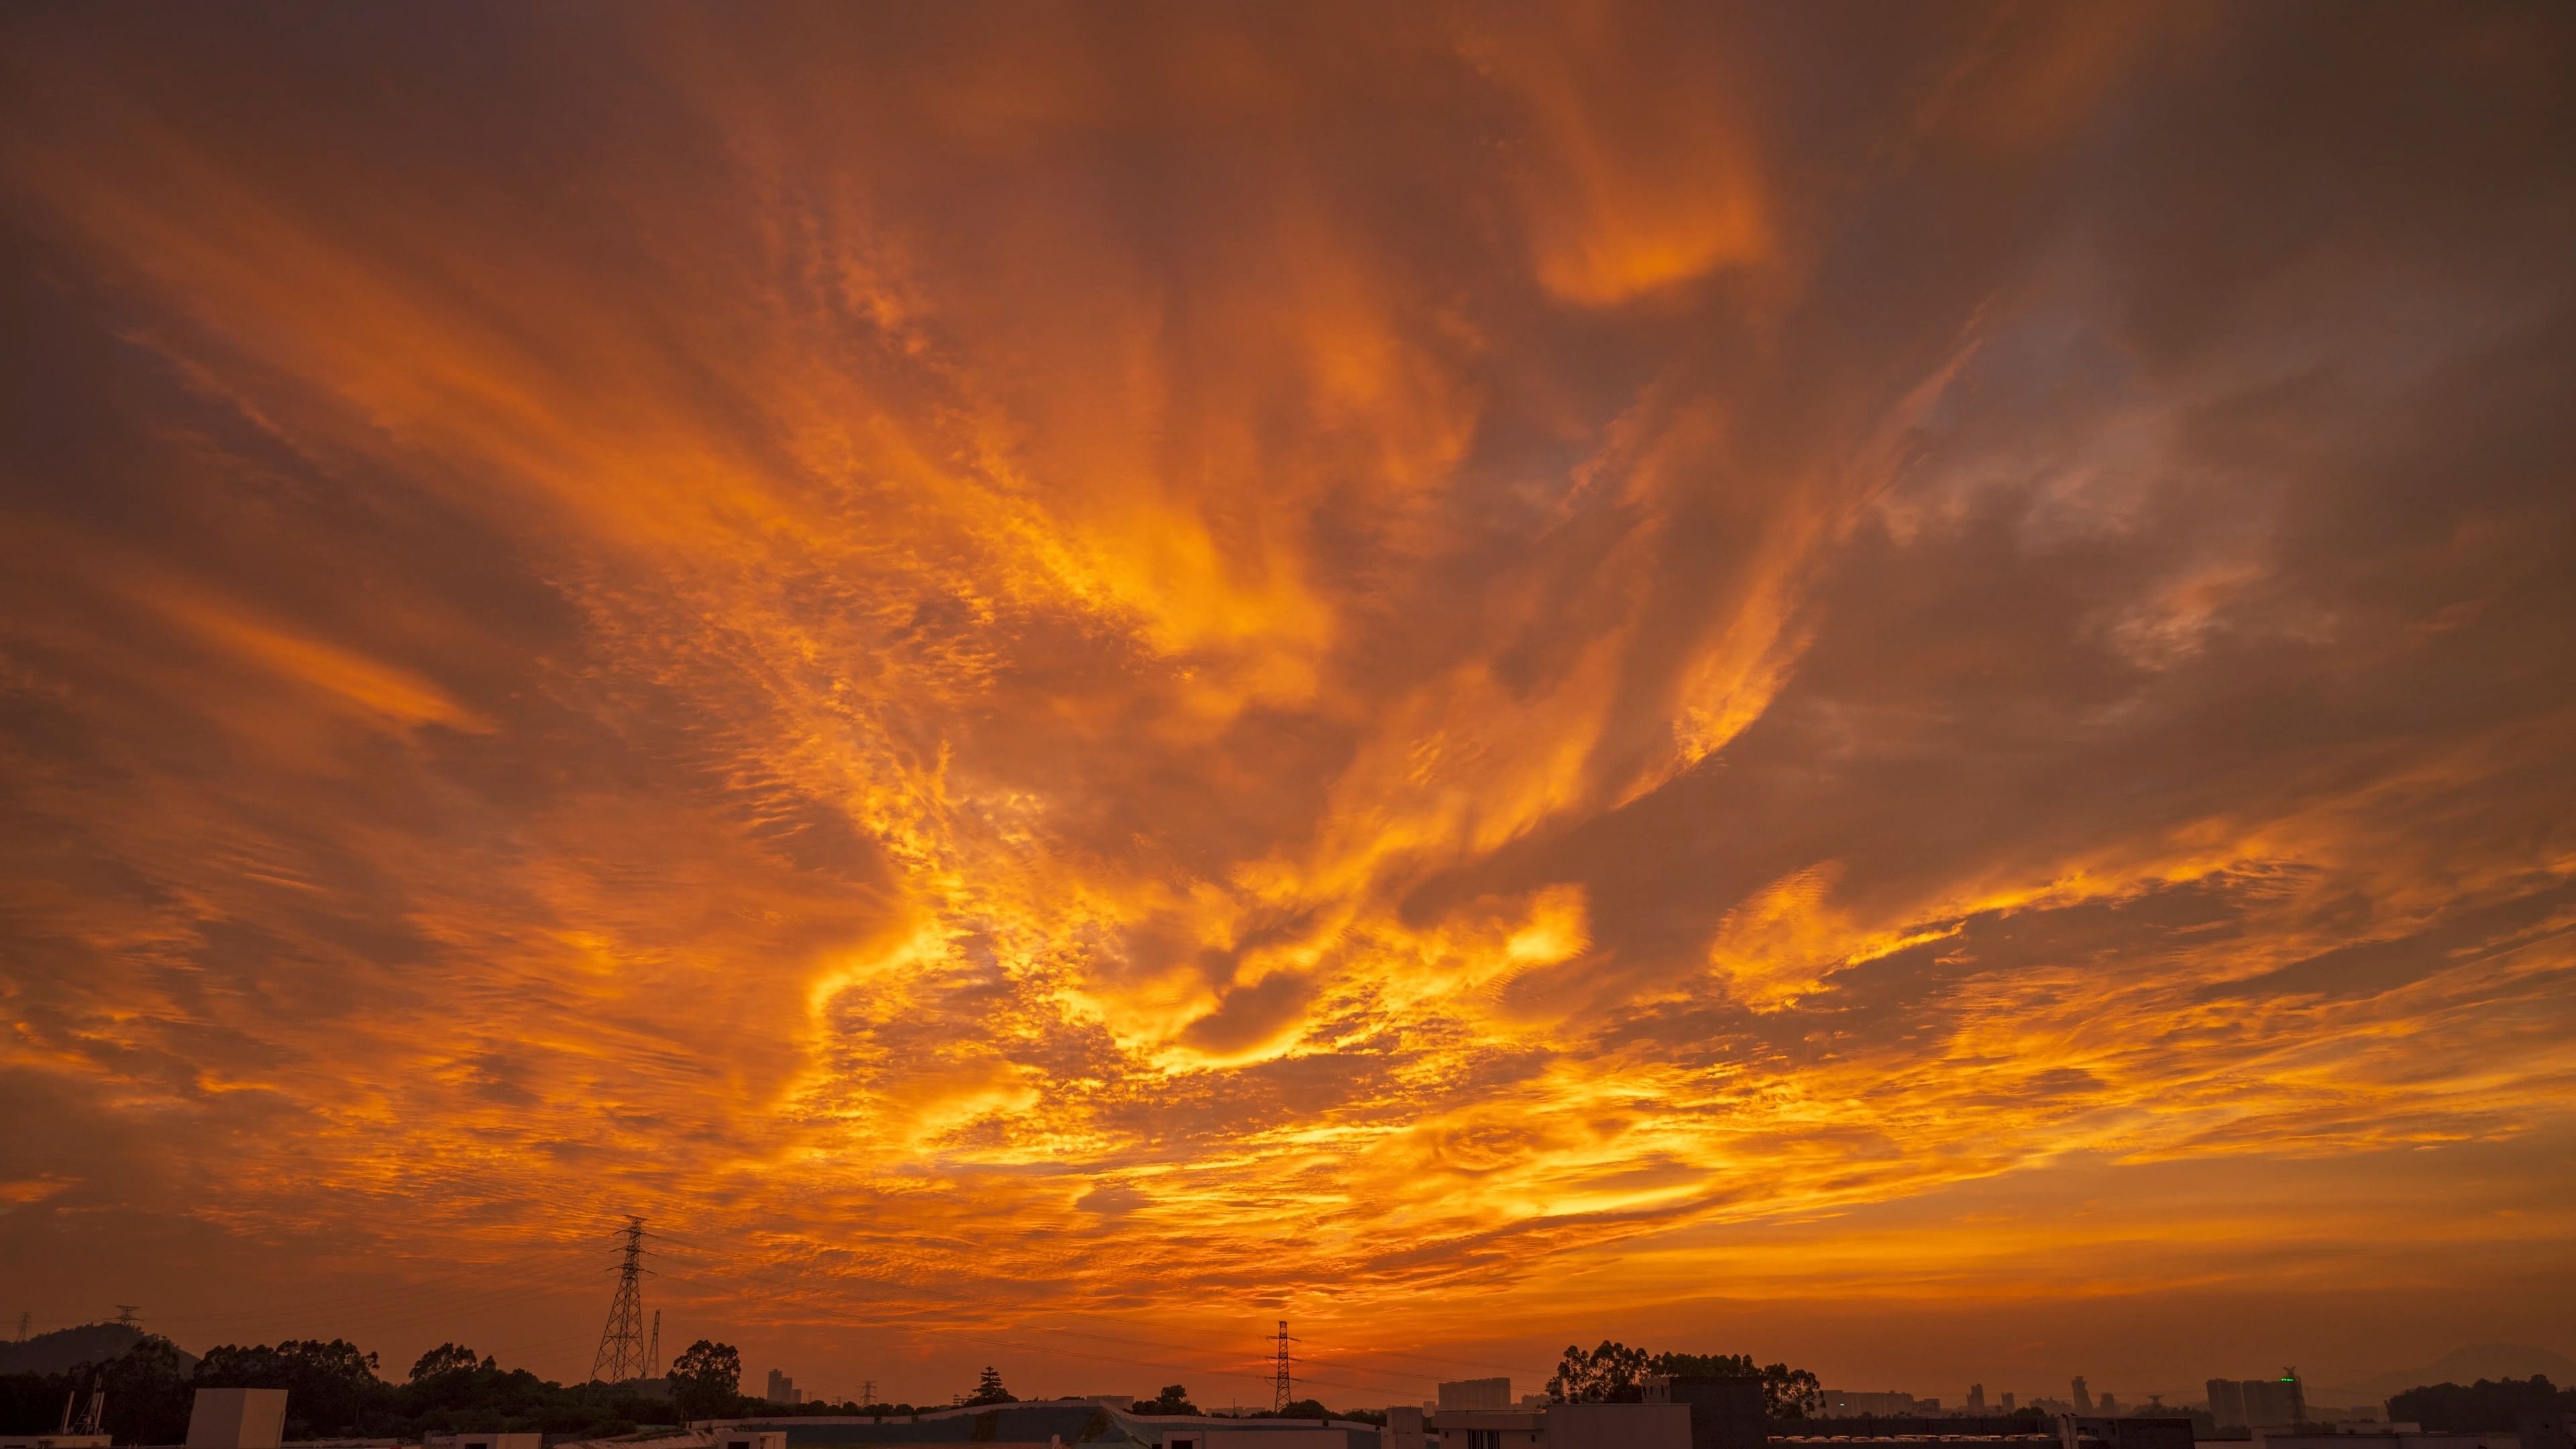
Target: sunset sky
(1890, 686)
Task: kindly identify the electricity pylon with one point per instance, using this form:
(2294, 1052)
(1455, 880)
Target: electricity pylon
(621, 1342)
(1280, 1391)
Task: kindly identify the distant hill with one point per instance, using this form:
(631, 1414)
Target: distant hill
(51, 1353)
(2461, 1366)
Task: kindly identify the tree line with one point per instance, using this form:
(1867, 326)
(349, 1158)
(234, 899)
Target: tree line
(334, 1389)
(1614, 1373)
(2489, 1406)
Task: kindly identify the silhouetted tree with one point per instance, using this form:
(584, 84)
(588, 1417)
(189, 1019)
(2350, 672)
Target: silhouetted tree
(1172, 1399)
(1614, 1373)
(706, 1380)
(148, 1394)
(331, 1387)
(447, 1358)
(1789, 1393)
(1704, 1365)
(989, 1390)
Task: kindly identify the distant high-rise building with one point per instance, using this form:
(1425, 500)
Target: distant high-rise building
(1976, 1401)
(1475, 1394)
(782, 1389)
(1883, 1403)
(2008, 1403)
(2276, 1403)
(2258, 1403)
(2083, 1397)
(2227, 1403)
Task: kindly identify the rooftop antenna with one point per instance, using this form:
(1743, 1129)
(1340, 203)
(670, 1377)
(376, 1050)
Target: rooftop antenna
(621, 1340)
(1280, 1391)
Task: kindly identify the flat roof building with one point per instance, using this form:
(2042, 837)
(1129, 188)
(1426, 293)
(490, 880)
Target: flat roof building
(1727, 1411)
(1564, 1426)
(2258, 1403)
(1854, 1404)
(1476, 1394)
(529, 1440)
(237, 1419)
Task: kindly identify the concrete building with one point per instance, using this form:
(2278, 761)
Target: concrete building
(1618, 1426)
(1912, 1434)
(489, 1441)
(2082, 1431)
(1489, 1428)
(2548, 1431)
(2227, 1403)
(1476, 1394)
(2082, 1396)
(2258, 1403)
(237, 1419)
(2071, 1431)
(782, 1390)
(1030, 1424)
(1564, 1426)
(1977, 1400)
(1727, 1411)
(2381, 1436)
(1203, 1433)
(1879, 1403)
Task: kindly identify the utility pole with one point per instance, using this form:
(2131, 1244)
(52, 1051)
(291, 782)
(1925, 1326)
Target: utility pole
(1280, 1391)
(621, 1340)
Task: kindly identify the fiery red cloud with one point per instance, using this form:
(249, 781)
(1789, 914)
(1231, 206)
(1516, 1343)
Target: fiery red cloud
(1470, 676)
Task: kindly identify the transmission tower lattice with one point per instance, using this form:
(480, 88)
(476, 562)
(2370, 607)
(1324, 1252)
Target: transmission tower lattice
(1280, 1392)
(621, 1342)
(653, 1359)
(125, 1314)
